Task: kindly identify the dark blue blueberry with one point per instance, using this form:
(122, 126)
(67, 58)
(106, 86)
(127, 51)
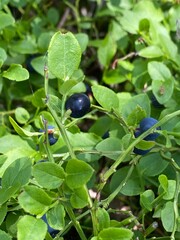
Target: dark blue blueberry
(52, 139)
(147, 123)
(106, 135)
(155, 102)
(138, 151)
(51, 230)
(88, 90)
(79, 104)
(29, 66)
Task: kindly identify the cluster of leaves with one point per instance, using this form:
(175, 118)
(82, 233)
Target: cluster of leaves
(89, 180)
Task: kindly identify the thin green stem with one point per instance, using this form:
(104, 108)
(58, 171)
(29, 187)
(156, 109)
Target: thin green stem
(62, 130)
(75, 222)
(48, 152)
(46, 143)
(70, 224)
(175, 204)
(108, 200)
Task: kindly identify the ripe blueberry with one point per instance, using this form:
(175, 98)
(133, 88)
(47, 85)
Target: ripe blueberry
(51, 230)
(155, 102)
(51, 138)
(137, 150)
(106, 135)
(147, 123)
(79, 104)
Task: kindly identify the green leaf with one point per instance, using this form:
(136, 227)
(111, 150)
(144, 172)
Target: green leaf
(18, 172)
(22, 132)
(22, 115)
(140, 100)
(25, 46)
(5, 20)
(136, 116)
(167, 213)
(79, 197)
(110, 147)
(132, 187)
(67, 86)
(16, 73)
(105, 97)
(9, 140)
(85, 140)
(152, 165)
(49, 175)
(163, 182)
(145, 145)
(44, 40)
(53, 15)
(15, 153)
(64, 55)
(114, 76)
(39, 63)
(146, 199)
(78, 173)
(3, 56)
(107, 50)
(113, 233)
(38, 98)
(167, 186)
(103, 219)
(150, 52)
(34, 200)
(3, 212)
(4, 235)
(163, 81)
(83, 40)
(7, 193)
(29, 228)
(56, 217)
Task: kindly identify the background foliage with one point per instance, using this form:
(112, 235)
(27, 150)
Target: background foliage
(89, 184)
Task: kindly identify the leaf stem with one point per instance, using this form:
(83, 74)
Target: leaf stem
(75, 222)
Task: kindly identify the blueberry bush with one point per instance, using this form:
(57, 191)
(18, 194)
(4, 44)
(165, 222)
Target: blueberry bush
(89, 120)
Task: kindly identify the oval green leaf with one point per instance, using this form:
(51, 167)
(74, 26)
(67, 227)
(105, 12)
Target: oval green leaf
(113, 233)
(49, 175)
(34, 200)
(78, 173)
(16, 73)
(18, 172)
(29, 228)
(64, 55)
(79, 198)
(105, 97)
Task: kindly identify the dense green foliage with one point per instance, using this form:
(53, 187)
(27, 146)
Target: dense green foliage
(105, 171)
